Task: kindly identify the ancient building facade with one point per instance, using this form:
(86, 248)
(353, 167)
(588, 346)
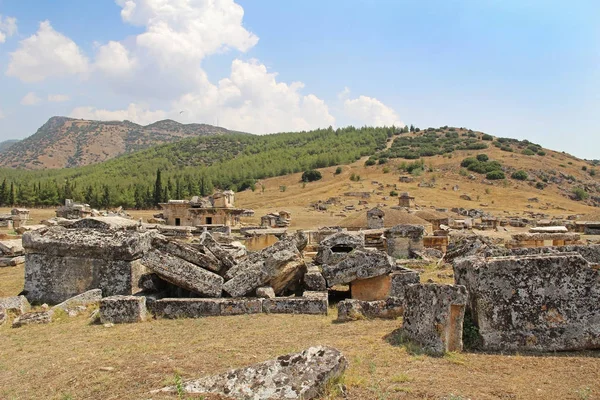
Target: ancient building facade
(217, 209)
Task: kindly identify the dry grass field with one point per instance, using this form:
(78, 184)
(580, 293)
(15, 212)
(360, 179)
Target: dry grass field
(71, 359)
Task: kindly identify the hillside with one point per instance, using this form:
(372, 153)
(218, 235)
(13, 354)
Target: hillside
(7, 144)
(65, 142)
(438, 166)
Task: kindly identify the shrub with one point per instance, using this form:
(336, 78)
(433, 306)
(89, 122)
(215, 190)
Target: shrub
(580, 194)
(487, 137)
(354, 177)
(386, 170)
(382, 161)
(393, 193)
(463, 172)
(311, 175)
(584, 168)
(495, 175)
(528, 152)
(369, 162)
(482, 157)
(541, 153)
(592, 172)
(519, 175)
(540, 186)
(338, 170)
(468, 161)
(506, 148)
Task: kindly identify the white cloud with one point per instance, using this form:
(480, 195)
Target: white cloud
(30, 99)
(8, 27)
(58, 98)
(135, 113)
(45, 54)
(370, 111)
(344, 94)
(114, 59)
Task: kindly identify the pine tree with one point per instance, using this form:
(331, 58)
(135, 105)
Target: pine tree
(11, 195)
(158, 192)
(3, 193)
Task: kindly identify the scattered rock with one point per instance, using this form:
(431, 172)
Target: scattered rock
(360, 264)
(38, 317)
(16, 304)
(352, 310)
(122, 309)
(265, 292)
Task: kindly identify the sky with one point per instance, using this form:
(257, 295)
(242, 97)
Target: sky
(528, 69)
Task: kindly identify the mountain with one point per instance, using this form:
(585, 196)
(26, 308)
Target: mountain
(7, 144)
(66, 142)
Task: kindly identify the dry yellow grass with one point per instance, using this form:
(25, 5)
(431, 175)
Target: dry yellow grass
(70, 359)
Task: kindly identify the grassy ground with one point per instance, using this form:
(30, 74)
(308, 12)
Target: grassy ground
(71, 359)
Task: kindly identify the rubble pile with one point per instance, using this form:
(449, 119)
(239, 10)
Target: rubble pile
(11, 253)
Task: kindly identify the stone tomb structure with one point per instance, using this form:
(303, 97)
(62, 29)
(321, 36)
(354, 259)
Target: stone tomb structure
(217, 209)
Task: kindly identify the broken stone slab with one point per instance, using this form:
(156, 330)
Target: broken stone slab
(265, 292)
(303, 375)
(122, 309)
(521, 237)
(183, 274)
(28, 228)
(16, 304)
(99, 244)
(37, 317)
(314, 280)
(353, 310)
(336, 247)
(105, 223)
(434, 315)
(186, 252)
(400, 280)
(280, 266)
(546, 302)
(404, 240)
(11, 261)
(13, 247)
(549, 229)
(79, 303)
(52, 279)
(208, 244)
(236, 250)
(311, 304)
(196, 308)
(360, 264)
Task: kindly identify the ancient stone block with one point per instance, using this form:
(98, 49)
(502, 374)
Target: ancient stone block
(54, 279)
(545, 302)
(183, 274)
(89, 243)
(296, 305)
(400, 280)
(105, 223)
(196, 308)
(186, 252)
(336, 247)
(352, 310)
(402, 239)
(360, 264)
(265, 292)
(122, 309)
(208, 245)
(11, 261)
(38, 317)
(303, 375)
(12, 247)
(152, 283)
(371, 289)
(78, 303)
(434, 315)
(16, 304)
(3, 316)
(313, 279)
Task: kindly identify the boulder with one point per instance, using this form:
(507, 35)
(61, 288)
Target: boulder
(122, 309)
(359, 264)
(38, 317)
(352, 310)
(313, 279)
(183, 274)
(186, 252)
(265, 292)
(303, 375)
(16, 304)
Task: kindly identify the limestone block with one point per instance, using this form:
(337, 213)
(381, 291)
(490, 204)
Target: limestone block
(105, 223)
(196, 308)
(360, 264)
(336, 247)
(265, 292)
(16, 304)
(39, 317)
(403, 239)
(400, 280)
(434, 315)
(371, 289)
(352, 310)
(303, 375)
(3, 316)
(186, 252)
(296, 305)
(313, 279)
(122, 309)
(11, 261)
(12, 248)
(183, 274)
(78, 303)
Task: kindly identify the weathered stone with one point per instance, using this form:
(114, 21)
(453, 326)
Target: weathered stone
(3, 316)
(400, 280)
(360, 264)
(545, 236)
(209, 244)
(53, 279)
(533, 303)
(371, 289)
(12, 247)
(122, 309)
(296, 305)
(105, 223)
(280, 266)
(402, 240)
(265, 292)
(236, 250)
(434, 315)
(38, 317)
(196, 308)
(186, 252)
(302, 375)
(314, 280)
(89, 243)
(183, 274)
(78, 303)
(16, 304)
(352, 310)
(151, 283)
(11, 261)
(338, 246)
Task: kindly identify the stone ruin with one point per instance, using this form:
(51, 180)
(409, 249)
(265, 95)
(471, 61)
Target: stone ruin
(73, 210)
(11, 253)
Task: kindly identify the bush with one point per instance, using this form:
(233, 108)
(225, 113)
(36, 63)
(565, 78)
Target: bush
(592, 172)
(354, 177)
(528, 152)
(311, 175)
(584, 168)
(520, 175)
(482, 157)
(382, 161)
(506, 148)
(467, 162)
(541, 153)
(393, 193)
(463, 172)
(495, 175)
(540, 186)
(369, 162)
(386, 170)
(338, 170)
(487, 137)
(580, 194)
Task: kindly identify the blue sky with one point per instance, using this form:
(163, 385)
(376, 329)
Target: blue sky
(525, 69)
